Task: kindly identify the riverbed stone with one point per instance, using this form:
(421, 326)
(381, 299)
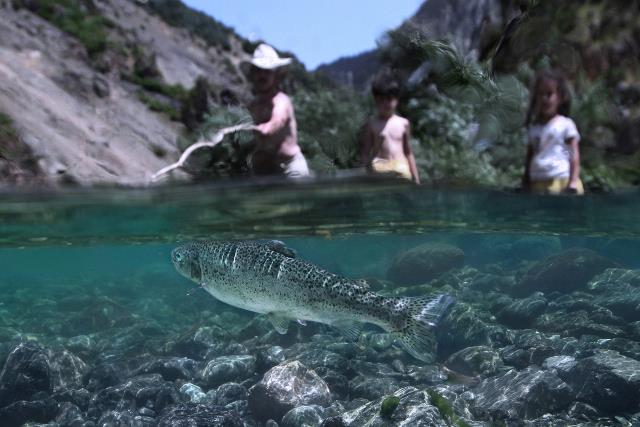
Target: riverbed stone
(607, 380)
(565, 272)
(192, 414)
(476, 360)
(228, 368)
(414, 409)
(424, 263)
(527, 394)
(284, 387)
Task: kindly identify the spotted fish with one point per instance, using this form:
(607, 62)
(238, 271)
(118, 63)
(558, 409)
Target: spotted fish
(268, 278)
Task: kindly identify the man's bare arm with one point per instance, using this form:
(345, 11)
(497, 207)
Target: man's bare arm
(279, 117)
(408, 152)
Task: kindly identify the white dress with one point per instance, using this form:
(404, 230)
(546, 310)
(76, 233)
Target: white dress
(551, 153)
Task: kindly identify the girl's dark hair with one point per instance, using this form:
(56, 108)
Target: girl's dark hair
(563, 90)
(385, 85)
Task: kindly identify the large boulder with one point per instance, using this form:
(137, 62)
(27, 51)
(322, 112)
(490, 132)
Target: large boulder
(606, 380)
(477, 360)
(565, 272)
(27, 371)
(228, 368)
(284, 387)
(414, 409)
(424, 263)
(527, 394)
(619, 291)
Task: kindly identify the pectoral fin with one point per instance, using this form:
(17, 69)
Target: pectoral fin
(351, 330)
(279, 322)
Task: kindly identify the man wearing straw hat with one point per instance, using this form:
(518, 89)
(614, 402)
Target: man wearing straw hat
(277, 150)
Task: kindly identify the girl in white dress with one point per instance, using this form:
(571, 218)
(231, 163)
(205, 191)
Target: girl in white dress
(553, 157)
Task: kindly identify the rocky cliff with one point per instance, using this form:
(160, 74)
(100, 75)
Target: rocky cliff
(88, 89)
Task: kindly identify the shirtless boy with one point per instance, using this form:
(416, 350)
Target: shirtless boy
(277, 150)
(385, 146)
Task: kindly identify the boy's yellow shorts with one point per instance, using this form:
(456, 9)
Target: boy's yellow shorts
(399, 167)
(554, 186)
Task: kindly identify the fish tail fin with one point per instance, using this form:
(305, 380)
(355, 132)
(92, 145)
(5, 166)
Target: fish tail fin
(419, 318)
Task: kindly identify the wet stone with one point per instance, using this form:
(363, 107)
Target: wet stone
(21, 411)
(191, 414)
(230, 392)
(269, 357)
(195, 345)
(68, 370)
(414, 409)
(607, 380)
(80, 397)
(568, 271)
(284, 387)
(472, 361)
(228, 368)
(26, 372)
(576, 324)
(150, 391)
(305, 415)
(192, 393)
(372, 388)
(424, 263)
(69, 415)
(521, 313)
(619, 291)
(527, 394)
(171, 368)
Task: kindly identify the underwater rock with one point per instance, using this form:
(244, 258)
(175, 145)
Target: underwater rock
(337, 382)
(527, 394)
(67, 369)
(69, 415)
(267, 358)
(195, 344)
(192, 392)
(619, 291)
(465, 327)
(228, 368)
(303, 416)
(477, 360)
(79, 398)
(101, 376)
(149, 391)
(576, 324)
(424, 263)
(565, 272)
(125, 418)
(521, 313)
(607, 380)
(171, 368)
(507, 248)
(316, 357)
(99, 315)
(284, 387)
(414, 409)
(372, 388)
(21, 411)
(230, 392)
(26, 372)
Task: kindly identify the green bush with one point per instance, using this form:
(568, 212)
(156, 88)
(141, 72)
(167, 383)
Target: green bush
(77, 18)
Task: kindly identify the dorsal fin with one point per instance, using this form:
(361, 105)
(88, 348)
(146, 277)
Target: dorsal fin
(280, 247)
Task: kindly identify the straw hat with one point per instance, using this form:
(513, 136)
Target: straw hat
(267, 58)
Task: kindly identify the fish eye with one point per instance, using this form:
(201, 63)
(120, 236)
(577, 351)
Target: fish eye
(178, 256)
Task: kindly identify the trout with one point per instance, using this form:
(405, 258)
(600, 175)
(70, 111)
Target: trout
(268, 278)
